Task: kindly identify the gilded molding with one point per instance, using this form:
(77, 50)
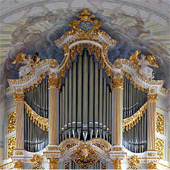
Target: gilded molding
(117, 163)
(160, 147)
(131, 121)
(18, 96)
(151, 154)
(160, 123)
(152, 165)
(18, 165)
(53, 163)
(11, 122)
(18, 153)
(11, 146)
(152, 97)
(36, 159)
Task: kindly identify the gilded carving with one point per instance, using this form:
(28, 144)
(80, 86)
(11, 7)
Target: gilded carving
(18, 153)
(52, 148)
(53, 163)
(103, 165)
(67, 165)
(18, 96)
(152, 165)
(11, 146)
(36, 159)
(11, 122)
(117, 163)
(53, 82)
(116, 83)
(151, 154)
(131, 121)
(41, 122)
(160, 123)
(84, 156)
(117, 149)
(152, 97)
(18, 165)
(160, 147)
(133, 161)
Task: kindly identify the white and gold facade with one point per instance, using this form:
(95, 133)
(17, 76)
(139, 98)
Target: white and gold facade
(90, 131)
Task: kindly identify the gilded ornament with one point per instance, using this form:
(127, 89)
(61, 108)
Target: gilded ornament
(117, 75)
(131, 121)
(84, 156)
(53, 75)
(53, 163)
(160, 123)
(151, 154)
(152, 91)
(41, 122)
(11, 122)
(117, 149)
(160, 147)
(134, 160)
(103, 165)
(152, 97)
(52, 148)
(67, 165)
(117, 163)
(117, 83)
(18, 153)
(38, 167)
(11, 146)
(53, 82)
(18, 165)
(152, 165)
(18, 96)
(36, 159)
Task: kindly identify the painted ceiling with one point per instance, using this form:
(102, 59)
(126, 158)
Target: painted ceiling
(29, 26)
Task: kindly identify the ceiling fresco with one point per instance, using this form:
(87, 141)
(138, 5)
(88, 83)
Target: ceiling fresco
(35, 30)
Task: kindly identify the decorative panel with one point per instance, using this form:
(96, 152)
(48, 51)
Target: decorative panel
(160, 147)
(11, 122)
(160, 123)
(11, 146)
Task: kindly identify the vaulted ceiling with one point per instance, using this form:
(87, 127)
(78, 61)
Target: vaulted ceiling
(134, 23)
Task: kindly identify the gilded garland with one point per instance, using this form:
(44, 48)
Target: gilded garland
(11, 122)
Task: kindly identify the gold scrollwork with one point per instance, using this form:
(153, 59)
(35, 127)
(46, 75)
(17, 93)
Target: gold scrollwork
(160, 147)
(11, 146)
(11, 122)
(103, 165)
(160, 123)
(54, 82)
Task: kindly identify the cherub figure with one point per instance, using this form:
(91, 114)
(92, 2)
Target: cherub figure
(28, 63)
(144, 70)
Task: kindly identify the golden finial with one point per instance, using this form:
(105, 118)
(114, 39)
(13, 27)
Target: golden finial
(85, 15)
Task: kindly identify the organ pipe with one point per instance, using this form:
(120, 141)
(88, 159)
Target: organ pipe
(89, 100)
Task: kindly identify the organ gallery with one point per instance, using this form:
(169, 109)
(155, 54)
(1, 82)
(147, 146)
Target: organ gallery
(86, 111)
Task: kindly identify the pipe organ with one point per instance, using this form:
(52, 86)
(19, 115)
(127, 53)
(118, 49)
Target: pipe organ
(87, 112)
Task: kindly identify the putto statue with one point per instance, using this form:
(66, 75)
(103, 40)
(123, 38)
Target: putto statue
(27, 62)
(142, 64)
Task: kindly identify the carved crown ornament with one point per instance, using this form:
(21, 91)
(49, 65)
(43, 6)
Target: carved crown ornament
(85, 32)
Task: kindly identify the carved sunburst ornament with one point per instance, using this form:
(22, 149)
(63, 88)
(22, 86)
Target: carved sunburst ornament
(85, 156)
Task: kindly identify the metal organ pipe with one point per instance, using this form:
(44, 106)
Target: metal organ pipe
(134, 139)
(89, 100)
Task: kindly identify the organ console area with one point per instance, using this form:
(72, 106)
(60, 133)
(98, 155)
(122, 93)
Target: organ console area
(86, 112)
